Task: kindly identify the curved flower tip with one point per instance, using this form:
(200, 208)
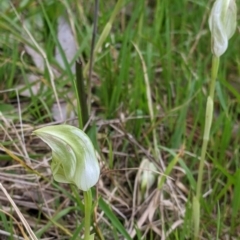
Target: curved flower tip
(73, 155)
(222, 23)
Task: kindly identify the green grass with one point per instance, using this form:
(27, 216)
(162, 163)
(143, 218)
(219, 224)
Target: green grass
(173, 40)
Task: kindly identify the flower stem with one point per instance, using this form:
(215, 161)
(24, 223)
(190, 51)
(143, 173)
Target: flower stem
(208, 123)
(215, 66)
(207, 128)
(88, 209)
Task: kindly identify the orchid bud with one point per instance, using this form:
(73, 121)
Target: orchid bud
(73, 155)
(222, 23)
(148, 175)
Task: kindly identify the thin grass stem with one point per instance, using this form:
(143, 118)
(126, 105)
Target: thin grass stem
(81, 96)
(82, 119)
(91, 62)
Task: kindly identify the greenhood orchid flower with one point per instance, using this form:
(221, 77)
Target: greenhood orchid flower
(222, 24)
(73, 155)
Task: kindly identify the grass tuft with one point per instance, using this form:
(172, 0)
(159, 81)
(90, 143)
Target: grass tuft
(149, 82)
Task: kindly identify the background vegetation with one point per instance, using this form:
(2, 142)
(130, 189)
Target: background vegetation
(155, 113)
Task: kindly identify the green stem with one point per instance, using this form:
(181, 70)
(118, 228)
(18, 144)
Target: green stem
(215, 65)
(88, 209)
(207, 127)
(200, 170)
(208, 123)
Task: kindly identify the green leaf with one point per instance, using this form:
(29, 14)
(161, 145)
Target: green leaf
(236, 195)
(114, 220)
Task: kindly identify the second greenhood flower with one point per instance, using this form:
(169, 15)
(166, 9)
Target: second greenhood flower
(73, 155)
(222, 23)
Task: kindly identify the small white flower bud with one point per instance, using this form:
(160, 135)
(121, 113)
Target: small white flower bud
(148, 175)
